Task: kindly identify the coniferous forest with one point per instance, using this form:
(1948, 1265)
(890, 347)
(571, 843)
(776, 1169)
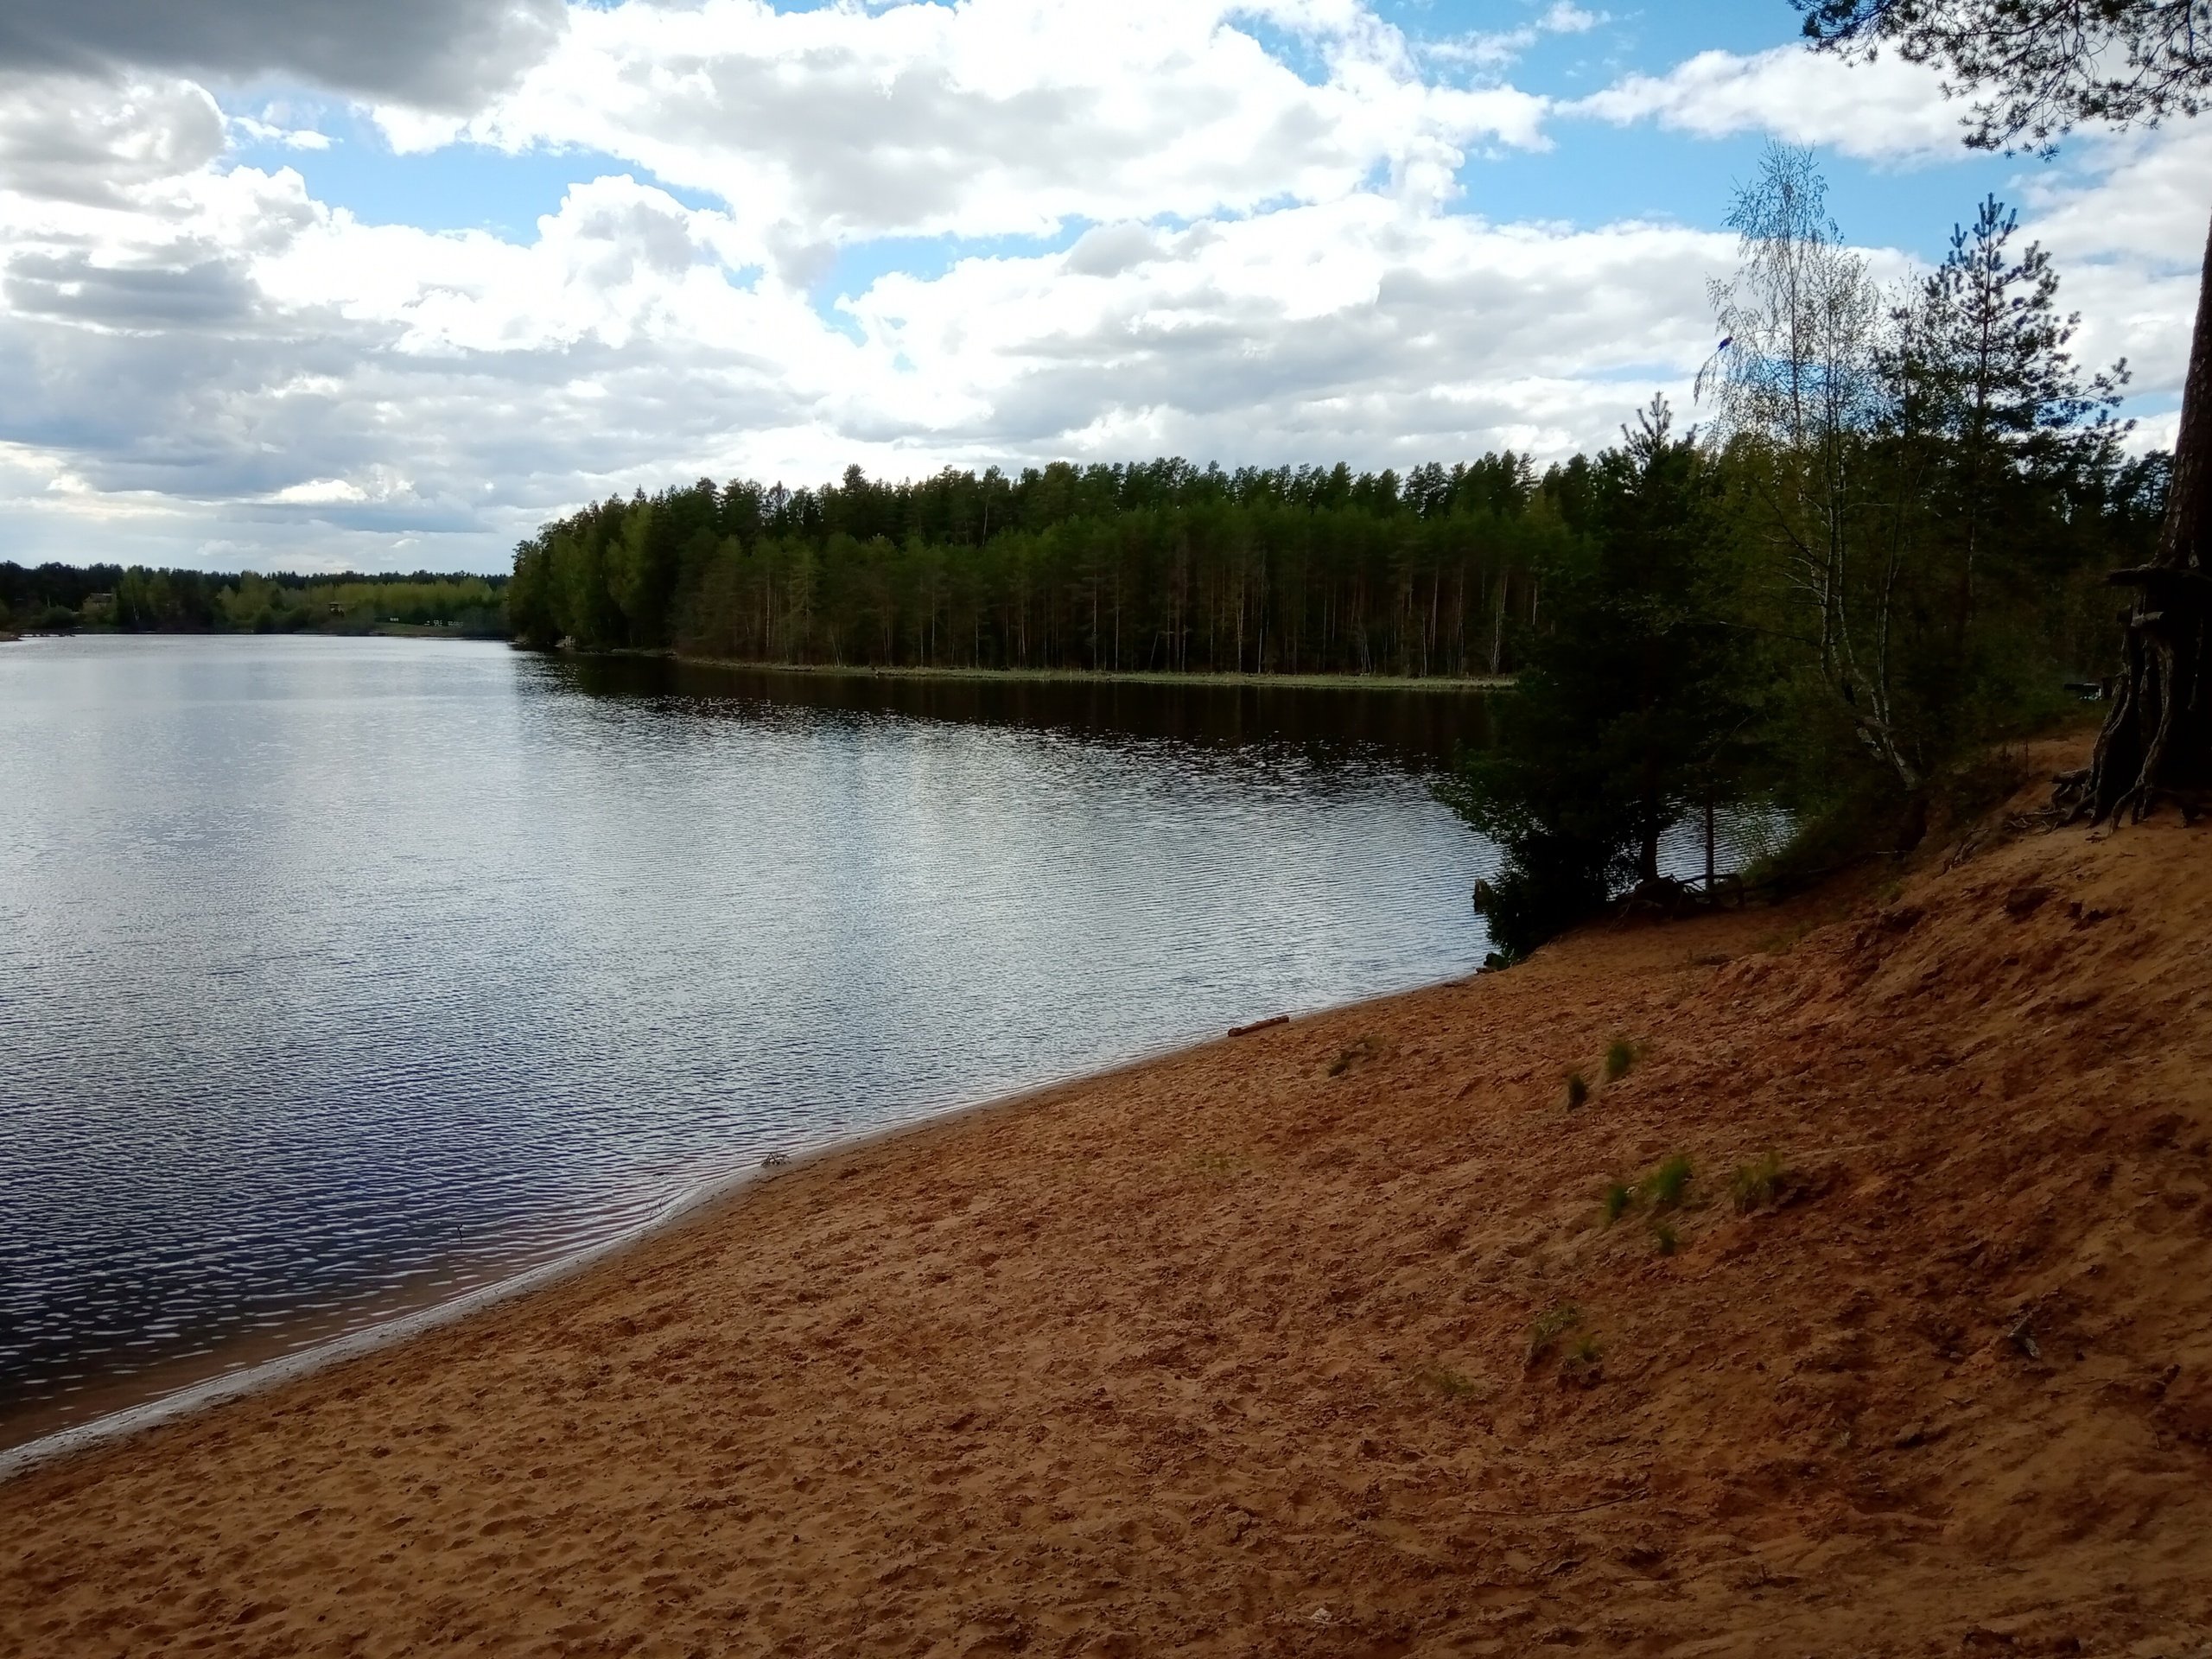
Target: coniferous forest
(1160, 566)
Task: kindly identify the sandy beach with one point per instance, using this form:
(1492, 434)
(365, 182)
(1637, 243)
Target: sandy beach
(1321, 1340)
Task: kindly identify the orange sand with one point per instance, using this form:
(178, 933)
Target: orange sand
(1229, 1353)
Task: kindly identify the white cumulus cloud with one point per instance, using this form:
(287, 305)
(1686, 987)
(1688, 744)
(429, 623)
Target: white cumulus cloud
(1888, 109)
(990, 117)
(1494, 50)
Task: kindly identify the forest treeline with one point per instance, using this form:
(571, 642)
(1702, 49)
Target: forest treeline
(1160, 566)
(135, 600)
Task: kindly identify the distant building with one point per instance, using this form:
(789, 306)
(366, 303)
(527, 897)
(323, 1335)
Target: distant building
(97, 607)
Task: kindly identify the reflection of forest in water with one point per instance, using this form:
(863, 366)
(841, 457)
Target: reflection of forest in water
(1418, 729)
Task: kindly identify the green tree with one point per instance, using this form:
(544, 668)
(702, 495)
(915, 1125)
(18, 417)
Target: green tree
(1992, 433)
(1635, 708)
(2035, 69)
(1795, 387)
(1920, 474)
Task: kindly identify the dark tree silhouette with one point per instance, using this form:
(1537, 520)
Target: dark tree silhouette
(2034, 69)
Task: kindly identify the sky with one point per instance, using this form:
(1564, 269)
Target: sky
(310, 284)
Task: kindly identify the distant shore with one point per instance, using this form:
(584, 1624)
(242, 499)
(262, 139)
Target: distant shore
(378, 631)
(1097, 677)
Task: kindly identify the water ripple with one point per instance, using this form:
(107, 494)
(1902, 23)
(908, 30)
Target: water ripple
(340, 976)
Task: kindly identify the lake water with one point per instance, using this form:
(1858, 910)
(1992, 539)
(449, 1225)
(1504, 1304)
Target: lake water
(339, 976)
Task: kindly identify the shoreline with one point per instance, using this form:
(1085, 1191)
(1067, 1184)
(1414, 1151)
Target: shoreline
(1441, 685)
(1438, 684)
(259, 1376)
(379, 631)
(703, 1205)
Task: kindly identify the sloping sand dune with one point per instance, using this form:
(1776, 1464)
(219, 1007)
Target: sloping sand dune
(1232, 1353)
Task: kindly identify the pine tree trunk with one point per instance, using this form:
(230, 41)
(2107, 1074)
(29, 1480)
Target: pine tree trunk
(2157, 743)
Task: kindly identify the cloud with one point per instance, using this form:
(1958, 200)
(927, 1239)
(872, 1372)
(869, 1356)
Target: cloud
(318, 492)
(2125, 219)
(2140, 194)
(72, 139)
(1302, 334)
(1491, 52)
(335, 383)
(148, 297)
(318, 379)
(1888, 109)
(993, 118)
(266, 132)
(443, 54)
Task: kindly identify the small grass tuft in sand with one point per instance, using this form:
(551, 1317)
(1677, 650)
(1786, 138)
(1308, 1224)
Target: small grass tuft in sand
(1582, 1363)
(1546, 1328)
(1758, 1185)
(1452, 1385)
(1620, 1054)
(1665, 1187)
(1350, 1055)
(1577, 1091)
(1615, 1201)
(1664, 1238)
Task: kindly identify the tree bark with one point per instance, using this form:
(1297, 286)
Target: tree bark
(2157, 743)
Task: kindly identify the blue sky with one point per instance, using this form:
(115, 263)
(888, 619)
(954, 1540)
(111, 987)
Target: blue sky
(292, 299)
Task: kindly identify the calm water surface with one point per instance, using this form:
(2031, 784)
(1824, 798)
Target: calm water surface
(340, 976)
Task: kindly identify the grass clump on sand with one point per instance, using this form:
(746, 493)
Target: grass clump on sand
(1620, 1054)
(1665, 1186)
(1618, 1196)
(1351, 1055)
(1758, 1184)
(1452, 1385)
(1546, 1328)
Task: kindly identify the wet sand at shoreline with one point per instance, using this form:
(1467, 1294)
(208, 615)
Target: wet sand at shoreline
(1318, 1341)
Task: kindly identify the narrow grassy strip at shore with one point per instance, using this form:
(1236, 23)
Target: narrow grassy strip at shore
(1436, 684)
